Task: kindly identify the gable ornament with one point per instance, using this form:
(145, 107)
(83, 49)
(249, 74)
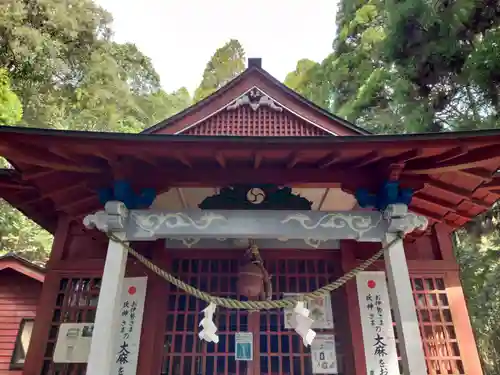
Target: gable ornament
(254, 99)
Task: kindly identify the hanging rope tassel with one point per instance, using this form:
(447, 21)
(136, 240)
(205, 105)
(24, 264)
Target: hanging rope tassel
(230, 303)
(268, 286)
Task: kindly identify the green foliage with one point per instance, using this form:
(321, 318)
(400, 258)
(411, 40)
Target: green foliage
(226, 63)
(69, 74)
(404, 66)
(60, 69)
(20, 235)
(11, 111)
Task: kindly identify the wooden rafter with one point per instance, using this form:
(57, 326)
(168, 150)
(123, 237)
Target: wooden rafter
(221, 160)
(257, 159)
(447, 189)
(440, 204)
(294, 158)
(473, 159)
(19, 152)
(15, 186)
(328, 160)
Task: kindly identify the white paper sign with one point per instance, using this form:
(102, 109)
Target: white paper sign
(324, 356)
(376, 322)
(73, 343)
(320, 310)
(130, 325)
(243, 346)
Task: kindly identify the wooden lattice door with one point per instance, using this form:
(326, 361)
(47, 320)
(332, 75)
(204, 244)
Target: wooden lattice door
(278, 350)
(76, 302)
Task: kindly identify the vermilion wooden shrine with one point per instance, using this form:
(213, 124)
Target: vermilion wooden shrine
(254, 133)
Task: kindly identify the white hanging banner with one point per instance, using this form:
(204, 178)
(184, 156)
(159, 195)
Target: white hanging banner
(130, 325)
(320, 311)
(324, 355)
(376, 322)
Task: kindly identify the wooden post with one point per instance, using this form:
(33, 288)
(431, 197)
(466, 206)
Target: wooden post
(358, 361)
(102, 358)
(403, 305)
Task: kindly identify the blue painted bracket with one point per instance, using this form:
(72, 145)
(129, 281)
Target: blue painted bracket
(122, 191)
(390, 193)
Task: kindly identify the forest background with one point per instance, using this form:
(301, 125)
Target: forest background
(396, 66)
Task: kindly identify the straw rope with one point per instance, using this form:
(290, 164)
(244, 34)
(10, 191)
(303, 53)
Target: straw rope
(231, 303)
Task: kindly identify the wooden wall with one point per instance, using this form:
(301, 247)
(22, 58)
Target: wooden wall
(18, 299)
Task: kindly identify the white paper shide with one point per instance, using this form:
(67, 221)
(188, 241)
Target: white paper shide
(320, 310)
(376, 322)
(323, 355)
(208, 328)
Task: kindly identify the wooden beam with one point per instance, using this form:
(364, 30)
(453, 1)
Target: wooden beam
(36, 173)
(19, 152)
(444, 156)
(15, 186)
(493, 184)
(473, 159)
(441, 204)
(426, 213)
(209, 177)
(328, 160)
(182, 158)
(66, 207)
(478, 173)
(294, 158)
(257, 159)
(219, 156)
(446, 188)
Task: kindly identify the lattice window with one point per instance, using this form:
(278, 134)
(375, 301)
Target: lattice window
(281, 351)
(184, 352)
(76, 303)
(436, 326)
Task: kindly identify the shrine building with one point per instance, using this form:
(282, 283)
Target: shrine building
(252, 195)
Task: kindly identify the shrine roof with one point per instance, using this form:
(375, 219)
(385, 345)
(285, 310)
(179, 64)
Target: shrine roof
(57, 172)
(12, 261)
(284, 113)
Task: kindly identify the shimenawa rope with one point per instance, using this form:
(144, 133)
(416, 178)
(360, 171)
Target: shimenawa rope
(254, 305)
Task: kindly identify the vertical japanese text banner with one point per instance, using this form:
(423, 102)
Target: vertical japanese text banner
(376, 322)
(130, 325)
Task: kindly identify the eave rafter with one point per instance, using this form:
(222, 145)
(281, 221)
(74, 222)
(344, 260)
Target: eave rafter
(474, 160)
(66, 173)
(34, 155)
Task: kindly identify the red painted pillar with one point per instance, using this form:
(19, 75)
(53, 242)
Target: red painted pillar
(38, 342)
(155, 311)
(348, 263)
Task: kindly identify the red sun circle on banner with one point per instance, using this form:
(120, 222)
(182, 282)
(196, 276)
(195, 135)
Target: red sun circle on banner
(132, 290)
(371, 284)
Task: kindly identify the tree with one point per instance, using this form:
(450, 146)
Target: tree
(61, 69)
(20, 235)
(11, 111)
(226, 63)
(403, 66)
(308, 80)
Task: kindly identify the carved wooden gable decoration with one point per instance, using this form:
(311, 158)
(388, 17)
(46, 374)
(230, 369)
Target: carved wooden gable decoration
(255, 104)
(255, 114)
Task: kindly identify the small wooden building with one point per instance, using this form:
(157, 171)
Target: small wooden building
(20, 289)
(253, 142)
